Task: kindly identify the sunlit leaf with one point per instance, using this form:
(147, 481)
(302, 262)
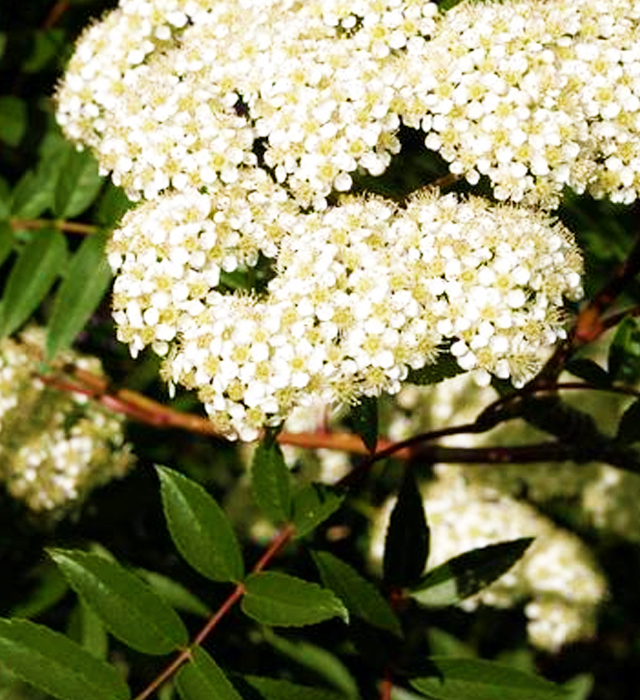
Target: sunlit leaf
(79, 295)
(31, 277)
(271, 482)
(273, 598)
(202, 679)
(468, 573)
(312, 505)
(78, 184)
(199, 528)
(129, 609)
(360, 596)
(174, 593)
(53, 663)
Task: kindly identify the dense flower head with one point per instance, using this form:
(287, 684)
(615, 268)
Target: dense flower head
(363, 292)
(54, 447)
(535, 95)
(169, 254)
(557, 577)
(190, 89)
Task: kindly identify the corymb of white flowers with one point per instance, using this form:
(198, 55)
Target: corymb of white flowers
(239, 123)
(68, 447)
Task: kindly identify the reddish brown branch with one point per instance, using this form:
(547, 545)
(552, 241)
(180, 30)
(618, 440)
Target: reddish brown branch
(57, 224)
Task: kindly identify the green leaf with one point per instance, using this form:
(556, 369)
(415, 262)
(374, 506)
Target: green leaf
(93, 635)
(406, 546)
(323, 663)
(112, 205)
(31, 195)
(271, 482)
(445, 367)
(6, 240)
(312, 505)
(629, 428)
(274, 689)
(476, 679)
(468, 573)
(273, 598)
(47, 46)
(174, 593)
(624, 352)
(202, 679)
(363, 418)
(13, 124)
(5, 200)
(79, 295)
(360, 596)
(31, 277)
(590, 371)
(199, 528)
(53, 663)
(78, 184)
(129, 609)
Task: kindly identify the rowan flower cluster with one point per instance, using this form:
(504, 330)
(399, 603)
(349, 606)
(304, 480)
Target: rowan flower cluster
(54, 447)
(364, 292)
(535, 95)
(178, 94)
(557, 579)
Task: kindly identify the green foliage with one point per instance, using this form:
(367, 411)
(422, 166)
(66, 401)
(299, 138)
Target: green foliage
(360, 597)
(273, 598)
(86, 282)
(202, 679)
(174, 593)
(476, 679)
(52, 662)
(468, 573)
(271, 482)
(322, 662)
(274, 689)
(624, 352)
(14, 120)
(36, 269)
(129, 608)
(406, 547)
(78, 184)
(312, 505)
(199, 528)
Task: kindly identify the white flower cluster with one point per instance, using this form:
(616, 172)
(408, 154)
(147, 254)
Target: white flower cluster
(178, 94)
(535, 95)
(54, 447)
(557, 578)
(364, 292)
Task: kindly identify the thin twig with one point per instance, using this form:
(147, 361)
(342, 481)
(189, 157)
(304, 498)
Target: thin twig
(279, 541)
(57, 224)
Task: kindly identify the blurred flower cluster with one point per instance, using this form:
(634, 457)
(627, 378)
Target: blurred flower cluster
(55, 447)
